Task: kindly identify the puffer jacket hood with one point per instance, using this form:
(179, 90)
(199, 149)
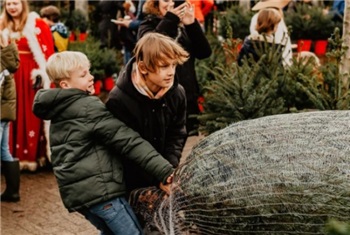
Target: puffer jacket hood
(48, 103)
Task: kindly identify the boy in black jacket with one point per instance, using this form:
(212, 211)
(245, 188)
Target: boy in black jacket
(149, 99)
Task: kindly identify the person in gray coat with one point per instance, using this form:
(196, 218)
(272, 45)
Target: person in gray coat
(88, 144)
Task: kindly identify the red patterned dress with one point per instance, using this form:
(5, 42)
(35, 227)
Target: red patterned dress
(35, 45)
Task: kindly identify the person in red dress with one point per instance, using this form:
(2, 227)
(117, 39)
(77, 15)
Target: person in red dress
(35, 45)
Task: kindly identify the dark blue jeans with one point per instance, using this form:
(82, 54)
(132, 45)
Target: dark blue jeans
(113, 217)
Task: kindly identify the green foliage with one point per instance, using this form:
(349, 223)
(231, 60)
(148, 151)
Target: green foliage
(237, 20)
(240, 93)
(257, 89)
(104, 62)
(339, 95)
(322, 26)
(334, 227)
(309, 23)
(204, 67)
(300, 23)
(78, 21)
(304, 88)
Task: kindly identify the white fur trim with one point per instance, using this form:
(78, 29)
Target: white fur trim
(29, 32)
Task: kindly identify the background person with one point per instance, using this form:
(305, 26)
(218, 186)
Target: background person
(201, 9)
(128, 31)
(180, 24)
(108, 32)
(281, 34)
(10, 166)
(35, 44)
(51, 15)
(254, 44)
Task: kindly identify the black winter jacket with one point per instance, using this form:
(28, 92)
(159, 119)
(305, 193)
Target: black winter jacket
(193, 40)
(161, 122)
(87, 144)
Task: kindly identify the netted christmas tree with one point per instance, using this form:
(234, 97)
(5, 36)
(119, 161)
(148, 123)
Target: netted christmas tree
(281, 174)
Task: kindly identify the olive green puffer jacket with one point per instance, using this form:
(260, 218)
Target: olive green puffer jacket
(9, 62)
(87, 144)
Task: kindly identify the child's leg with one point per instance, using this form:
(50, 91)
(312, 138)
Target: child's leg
(4, 140)
(99, 223)
(117, 215)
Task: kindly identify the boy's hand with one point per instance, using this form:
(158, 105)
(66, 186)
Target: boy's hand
(170, 178)
(165, 187)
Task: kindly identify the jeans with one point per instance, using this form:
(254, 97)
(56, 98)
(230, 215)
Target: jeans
(4, 141)
(127, 55)
(113, 217)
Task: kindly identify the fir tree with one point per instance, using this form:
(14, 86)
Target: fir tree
(240, 93)
(262, 88)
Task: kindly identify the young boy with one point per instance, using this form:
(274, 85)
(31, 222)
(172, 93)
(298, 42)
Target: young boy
(149, 99)
(51, 15)
(88, 143)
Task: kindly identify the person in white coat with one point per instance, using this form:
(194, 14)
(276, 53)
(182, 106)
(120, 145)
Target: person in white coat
(281, 34)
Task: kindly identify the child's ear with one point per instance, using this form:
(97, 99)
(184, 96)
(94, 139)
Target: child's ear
(142, 68)
(64, 84)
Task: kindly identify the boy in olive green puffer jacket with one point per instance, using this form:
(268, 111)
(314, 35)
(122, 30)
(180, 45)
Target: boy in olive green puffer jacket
(87, 144)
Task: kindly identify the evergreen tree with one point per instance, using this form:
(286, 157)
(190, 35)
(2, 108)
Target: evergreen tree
(240, 93)
(262, 88)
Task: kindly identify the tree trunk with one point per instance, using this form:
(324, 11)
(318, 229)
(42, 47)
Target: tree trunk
(345, 63)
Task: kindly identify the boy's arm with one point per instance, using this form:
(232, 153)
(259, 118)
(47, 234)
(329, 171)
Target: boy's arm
(123, 141)
(176, 133)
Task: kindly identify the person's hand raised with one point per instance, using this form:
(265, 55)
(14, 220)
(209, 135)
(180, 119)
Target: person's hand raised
(184, 11)
(188, 14)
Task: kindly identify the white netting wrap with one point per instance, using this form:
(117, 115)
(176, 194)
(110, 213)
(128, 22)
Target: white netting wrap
(283, 174)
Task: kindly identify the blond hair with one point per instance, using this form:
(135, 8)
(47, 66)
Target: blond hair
(267, 20)
(8, 22)
(154, 49)
(60, 65)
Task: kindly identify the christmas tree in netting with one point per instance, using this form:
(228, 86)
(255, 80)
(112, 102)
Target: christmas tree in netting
(280, 174)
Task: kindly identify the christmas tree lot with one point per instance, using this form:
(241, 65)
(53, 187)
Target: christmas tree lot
(265, 87)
